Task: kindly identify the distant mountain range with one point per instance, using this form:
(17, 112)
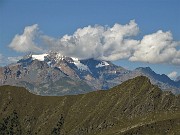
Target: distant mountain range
(54, 74)
(136, 107)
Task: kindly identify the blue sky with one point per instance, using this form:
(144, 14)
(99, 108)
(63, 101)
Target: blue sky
(57, 18)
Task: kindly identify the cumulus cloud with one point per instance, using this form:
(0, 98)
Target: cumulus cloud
(26, 41)
(173, 75)
(176, 59)
(104, 43)
(158, 47)
(109, 43)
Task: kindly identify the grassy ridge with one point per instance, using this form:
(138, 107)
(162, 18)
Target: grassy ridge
(134, 107)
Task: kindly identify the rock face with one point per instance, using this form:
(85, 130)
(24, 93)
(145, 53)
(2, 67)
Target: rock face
(134, 107)
(55, 74)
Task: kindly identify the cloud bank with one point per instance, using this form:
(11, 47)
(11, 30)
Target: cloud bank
(104, 43)
(97, 42)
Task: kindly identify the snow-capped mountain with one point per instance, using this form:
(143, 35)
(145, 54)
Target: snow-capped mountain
(54, 74)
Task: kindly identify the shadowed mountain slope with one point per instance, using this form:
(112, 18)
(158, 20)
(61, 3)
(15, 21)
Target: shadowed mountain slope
(134, 107)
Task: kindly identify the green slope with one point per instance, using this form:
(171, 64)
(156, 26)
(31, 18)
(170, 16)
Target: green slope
(134, 107)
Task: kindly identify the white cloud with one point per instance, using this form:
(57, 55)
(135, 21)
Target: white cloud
(26, 41)
(173, 75)
(158, 47)
(176, 59)
(108, 43)
(104, 43)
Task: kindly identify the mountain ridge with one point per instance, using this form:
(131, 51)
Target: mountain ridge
(134, 107)
(43, 74)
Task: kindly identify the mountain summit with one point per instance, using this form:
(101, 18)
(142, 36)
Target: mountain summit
(54, 74)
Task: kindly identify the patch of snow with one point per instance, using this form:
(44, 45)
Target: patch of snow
(59, 57)
(79, 65)
(102, 64)
(39, 57)
(49, 63)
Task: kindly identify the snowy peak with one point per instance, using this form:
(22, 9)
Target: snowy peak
(53, 58)
(102, 64)
(88, 69)
(79, 65)
(39, 57)
(92, 63)
(57, 57)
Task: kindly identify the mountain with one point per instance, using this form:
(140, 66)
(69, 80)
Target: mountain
(134, 107)
(178, 78)
(54, 74)
(41, 77)
(163, 81)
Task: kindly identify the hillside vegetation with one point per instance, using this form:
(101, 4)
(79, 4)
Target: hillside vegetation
(134, 107)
